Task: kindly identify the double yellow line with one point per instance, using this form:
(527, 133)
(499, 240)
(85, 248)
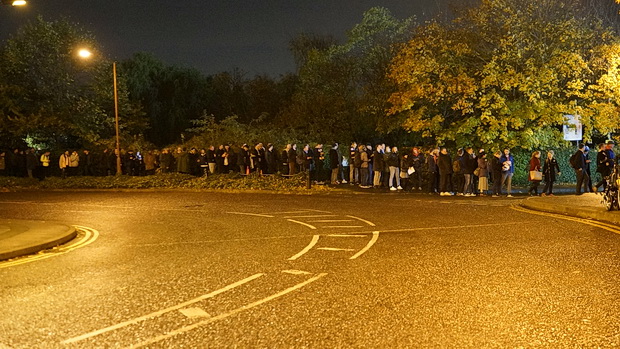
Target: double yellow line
(89, 236)
(609, 227)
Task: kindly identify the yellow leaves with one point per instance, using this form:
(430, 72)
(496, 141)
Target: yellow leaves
(503, 74)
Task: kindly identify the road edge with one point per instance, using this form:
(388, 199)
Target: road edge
(69, 235)
(543, 205)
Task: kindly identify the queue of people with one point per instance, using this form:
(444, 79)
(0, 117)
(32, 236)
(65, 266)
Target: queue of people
(468, 173)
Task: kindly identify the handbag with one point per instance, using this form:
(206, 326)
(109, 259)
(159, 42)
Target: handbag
(536, 176)
(477, 172)
(411, 170)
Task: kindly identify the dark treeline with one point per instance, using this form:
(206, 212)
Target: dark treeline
(465, 78)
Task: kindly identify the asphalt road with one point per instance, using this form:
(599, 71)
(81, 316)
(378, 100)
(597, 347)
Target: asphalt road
(174, 269)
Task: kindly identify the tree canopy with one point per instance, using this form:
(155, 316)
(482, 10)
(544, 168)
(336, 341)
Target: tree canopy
(506, 73)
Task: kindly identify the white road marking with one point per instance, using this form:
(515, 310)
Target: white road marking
(331, 220)
(296, 272)
(293, 212)
(375, 236)
(302, 223)
(194, 312)
(157, 313)
(342, 226)
(313, 216)
(315, 239)
(227, 314)
(454, 227)
(363, 220)
(251, 214)
(335, 249)
(347, 236)
(313, 210)
(56, 204)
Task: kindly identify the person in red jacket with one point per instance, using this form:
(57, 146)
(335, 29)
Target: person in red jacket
(534, 167)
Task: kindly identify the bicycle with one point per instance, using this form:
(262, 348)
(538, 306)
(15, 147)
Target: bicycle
(611, 194)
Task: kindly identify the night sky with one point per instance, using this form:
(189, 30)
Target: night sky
(211, 36)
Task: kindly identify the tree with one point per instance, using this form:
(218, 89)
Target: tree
(343, 89)
(170, 96)
(50, 95)
(502, 74)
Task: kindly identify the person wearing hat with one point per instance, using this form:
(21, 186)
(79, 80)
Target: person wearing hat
(610, 154)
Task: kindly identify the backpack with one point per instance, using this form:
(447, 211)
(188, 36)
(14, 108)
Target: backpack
(456, 166)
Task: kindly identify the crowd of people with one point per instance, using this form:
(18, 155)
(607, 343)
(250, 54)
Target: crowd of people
(468, 173)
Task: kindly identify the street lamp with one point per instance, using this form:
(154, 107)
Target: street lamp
(85, 54)
(14, 2)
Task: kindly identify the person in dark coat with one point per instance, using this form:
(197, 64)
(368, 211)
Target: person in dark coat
(433, 171)
(458, 169)
(271, 159)
(242, 158)
(292, 159)
(580, 168)
(255, 159)
(319, 164)
(165, 160)
(31, 162)
(470, 164)
(306, 158)
(21, 163)
(182, 158)
(496, 173)
(534, 166)
(219, 160)
(551, 170)
(334, 163)
(194, 162)
(417, 160)
(284, 159)
(211, 160)
(262, 158)
(378, 165)
(445, 172)
(86, 163)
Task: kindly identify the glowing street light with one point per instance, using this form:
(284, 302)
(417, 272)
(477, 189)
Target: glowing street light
(86, 54)
(14, 2)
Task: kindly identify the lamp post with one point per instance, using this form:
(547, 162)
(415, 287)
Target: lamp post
(85, 54)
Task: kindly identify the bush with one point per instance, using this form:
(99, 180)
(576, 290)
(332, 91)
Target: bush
(233, 181)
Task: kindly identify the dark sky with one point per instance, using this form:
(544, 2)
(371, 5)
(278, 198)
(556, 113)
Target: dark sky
(212, 36)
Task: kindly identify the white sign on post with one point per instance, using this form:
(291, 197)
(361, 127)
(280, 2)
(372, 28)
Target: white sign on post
(573, 129)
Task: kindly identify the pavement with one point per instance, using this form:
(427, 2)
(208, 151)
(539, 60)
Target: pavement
(588, 206)
(23, 237)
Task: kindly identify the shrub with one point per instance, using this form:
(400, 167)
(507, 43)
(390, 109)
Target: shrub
(233, 181)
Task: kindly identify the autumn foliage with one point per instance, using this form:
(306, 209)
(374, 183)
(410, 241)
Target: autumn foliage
(506, 73)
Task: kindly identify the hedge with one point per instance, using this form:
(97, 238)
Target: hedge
(233, 181)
